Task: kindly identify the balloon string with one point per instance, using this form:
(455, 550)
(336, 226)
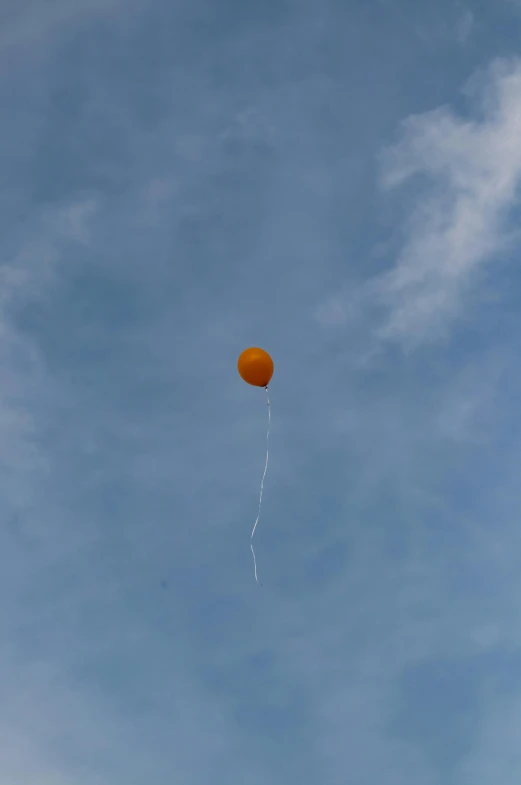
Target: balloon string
(262, 484)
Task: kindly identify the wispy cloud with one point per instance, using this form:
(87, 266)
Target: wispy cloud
(176, 192)
(34, 701)
(466, 174)
(473, 168)
(32, 259)
(465, 26)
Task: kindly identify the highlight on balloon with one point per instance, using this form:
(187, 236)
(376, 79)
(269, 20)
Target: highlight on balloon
(256, 368)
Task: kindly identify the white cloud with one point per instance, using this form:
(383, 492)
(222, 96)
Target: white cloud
(27, 276)
(474, 169)
(469, 172)
(465, 26)
(31, 698)
(74, 220)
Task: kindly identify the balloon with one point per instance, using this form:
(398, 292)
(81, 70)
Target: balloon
(255, 367)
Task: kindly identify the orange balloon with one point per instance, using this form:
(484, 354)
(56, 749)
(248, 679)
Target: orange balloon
(255, 367)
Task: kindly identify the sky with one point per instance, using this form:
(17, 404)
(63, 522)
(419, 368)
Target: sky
(338, 183)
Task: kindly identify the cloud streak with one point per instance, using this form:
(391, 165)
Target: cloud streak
(463, 176)
(474, 170)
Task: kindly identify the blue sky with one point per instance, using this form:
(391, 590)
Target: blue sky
(339, 184)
